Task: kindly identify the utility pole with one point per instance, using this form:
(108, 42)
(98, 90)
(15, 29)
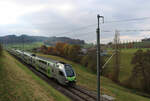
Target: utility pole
(98, 56)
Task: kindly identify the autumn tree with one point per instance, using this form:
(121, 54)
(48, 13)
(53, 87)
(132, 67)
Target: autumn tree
(60, 48)
(43, 49)
(52, 51)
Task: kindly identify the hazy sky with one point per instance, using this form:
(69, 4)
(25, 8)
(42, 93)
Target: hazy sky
(56, 17)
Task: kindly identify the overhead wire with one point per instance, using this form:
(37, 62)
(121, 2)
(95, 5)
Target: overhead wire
(126, 20)
(129, 30)
(106, 22)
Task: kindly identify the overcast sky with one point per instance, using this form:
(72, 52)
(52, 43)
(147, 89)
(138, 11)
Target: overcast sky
(56, 17)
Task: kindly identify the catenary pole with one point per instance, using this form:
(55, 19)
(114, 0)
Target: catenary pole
(98, 56)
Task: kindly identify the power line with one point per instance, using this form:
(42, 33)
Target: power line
(106, 22)
(125, 20)
(129, 30)
(78, 29)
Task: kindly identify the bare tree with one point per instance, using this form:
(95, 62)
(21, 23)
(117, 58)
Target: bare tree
(116, 57)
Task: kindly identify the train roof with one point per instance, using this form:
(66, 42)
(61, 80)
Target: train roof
(40, 57)
(47, 59)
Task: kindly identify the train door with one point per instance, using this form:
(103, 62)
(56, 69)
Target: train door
(54, 72)
(61, 77)
(33, 63)
(31, 60)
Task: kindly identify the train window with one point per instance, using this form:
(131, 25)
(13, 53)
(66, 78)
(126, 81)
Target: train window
(61, 73)
(69, 71)
(43, 62)
(33, 55)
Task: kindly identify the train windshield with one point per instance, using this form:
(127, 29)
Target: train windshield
(69, 71)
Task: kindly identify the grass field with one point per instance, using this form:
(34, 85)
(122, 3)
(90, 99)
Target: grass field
(88, 80)
(27, 46)
(18, 83)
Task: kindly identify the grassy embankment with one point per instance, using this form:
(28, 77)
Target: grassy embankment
(88, 80)
(18, 83)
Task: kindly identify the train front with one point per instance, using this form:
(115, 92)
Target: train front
(70, 75)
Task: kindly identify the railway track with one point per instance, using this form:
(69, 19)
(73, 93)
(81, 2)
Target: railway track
(83, 95)
(75, 93)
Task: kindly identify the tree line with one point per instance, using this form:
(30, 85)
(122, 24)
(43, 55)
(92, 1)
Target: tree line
(73, 53)
(130, 45)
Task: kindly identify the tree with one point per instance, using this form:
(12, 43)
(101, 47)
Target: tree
(141, 71)
(60, 48)
(74, 53)
(66, 50)
(116, 59)
(52, 51)
(43, 49)
(89, 61)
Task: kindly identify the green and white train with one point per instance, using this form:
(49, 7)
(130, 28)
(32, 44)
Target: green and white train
(60, 71)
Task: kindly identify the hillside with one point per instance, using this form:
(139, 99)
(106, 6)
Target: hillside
(13, 39)
(88, 80)
(53, 40)
(18, 83)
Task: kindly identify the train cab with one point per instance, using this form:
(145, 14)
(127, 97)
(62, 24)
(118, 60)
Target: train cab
(66, 74)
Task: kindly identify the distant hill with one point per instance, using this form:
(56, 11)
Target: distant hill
(20, 39)
(13, 39)
(53, 40)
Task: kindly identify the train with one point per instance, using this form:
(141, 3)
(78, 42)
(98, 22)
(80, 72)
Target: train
(60, 71)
